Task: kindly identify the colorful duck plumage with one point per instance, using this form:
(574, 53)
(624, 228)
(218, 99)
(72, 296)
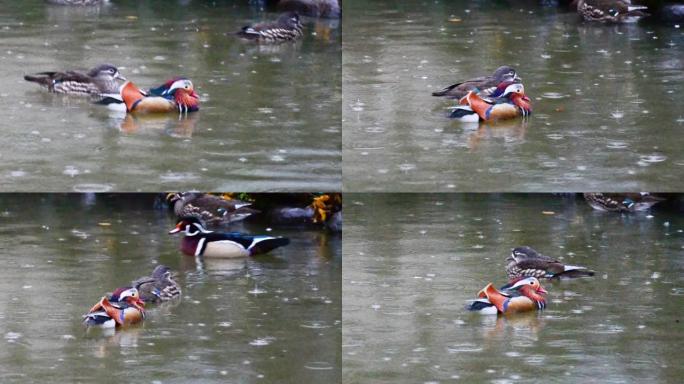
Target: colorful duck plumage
(198, 241)
(102, 79)
(123, 307)
(286, 27)
(211, 209)
(485, 86)
(177, 95)
(610, 11)
(526, 262)
(158, 287)
(523, 296)
(510, 104)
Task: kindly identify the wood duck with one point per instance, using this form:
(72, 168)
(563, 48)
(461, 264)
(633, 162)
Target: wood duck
(286, 27)
(610, 11)
(178, 96)
(523, 296)
(198, 241)
(511, 104)
(210, 209)
(123, 307)
(158, 287)
(526, 262)
(484, 86)
(622, 202)
(99, 80)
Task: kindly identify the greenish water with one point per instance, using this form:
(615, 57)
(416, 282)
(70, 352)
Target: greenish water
(607, 108)
(273, 318)
(269, 119)
(412, 262)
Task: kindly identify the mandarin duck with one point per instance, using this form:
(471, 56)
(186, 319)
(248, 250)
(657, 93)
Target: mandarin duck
(610, 11)
(286, 27)
(511, 104)
(198, 241)
(622, 202)
(176, 95)
(158, 287)
(486, 86)
(99, 80)
(213, 210)
(523, 296)
(526, 262)
(122, 307)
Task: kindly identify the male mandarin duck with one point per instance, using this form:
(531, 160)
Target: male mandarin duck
(622, 202)
(484, 86)
(198, 241)
(211, 209)
(610, 11)
(123, 307)
(99, 80)
(523, 296)
(286, 27)
(158, 287)
(526, 262)
(511, 104)
(176, 95)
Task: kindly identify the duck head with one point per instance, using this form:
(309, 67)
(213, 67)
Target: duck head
(289, 19)
(516, 92)
(183, 92)
(128, 295)
(532, 288)
(190, 225)
(106, 71)
(162, 272)
(522, 253)
(506, 73)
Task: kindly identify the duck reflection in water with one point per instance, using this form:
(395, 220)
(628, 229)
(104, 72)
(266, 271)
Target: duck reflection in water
(527, 324)
(170, 124)
(510, 131)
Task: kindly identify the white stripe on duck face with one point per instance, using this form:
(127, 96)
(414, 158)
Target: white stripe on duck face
(200, 229)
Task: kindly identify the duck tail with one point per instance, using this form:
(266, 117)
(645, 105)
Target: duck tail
(573, 271)
(40, 78)
(267, 244)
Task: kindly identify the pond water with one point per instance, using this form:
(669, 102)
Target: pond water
(607, 112)
(271, 318)
(409, 272)
(269, 118)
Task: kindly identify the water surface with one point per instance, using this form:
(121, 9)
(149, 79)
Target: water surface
(409, 272)
(269, 119)
(607, 110)
(273, 318)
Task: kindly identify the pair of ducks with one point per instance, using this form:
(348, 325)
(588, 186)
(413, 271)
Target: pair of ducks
(106, 84)
(500, 96)
(126, 305)
(524, 292)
